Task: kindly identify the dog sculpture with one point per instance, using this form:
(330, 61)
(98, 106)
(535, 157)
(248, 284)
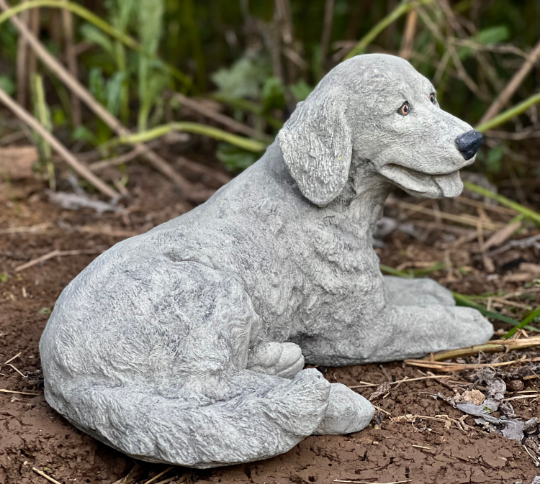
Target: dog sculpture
(187, 344)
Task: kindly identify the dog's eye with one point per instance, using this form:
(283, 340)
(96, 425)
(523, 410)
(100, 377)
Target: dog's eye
(432, 98)
(404, 109)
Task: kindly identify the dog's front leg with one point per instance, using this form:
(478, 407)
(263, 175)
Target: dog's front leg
(409, 332)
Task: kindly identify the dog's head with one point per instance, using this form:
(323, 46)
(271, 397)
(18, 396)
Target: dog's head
(378, 109)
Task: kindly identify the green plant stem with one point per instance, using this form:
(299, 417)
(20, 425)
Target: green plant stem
(463, 300)
(529, 319)
(509, 114)
(95, 20)
(526, 212)
(187, 127)
(403, 8)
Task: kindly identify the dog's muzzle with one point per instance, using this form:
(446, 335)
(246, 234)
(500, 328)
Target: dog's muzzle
(468, 143)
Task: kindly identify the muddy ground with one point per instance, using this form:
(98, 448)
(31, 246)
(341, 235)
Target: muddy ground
(417, 450)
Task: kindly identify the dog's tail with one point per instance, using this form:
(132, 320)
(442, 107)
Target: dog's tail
(268, 417)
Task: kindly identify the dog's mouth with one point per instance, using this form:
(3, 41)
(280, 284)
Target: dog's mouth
(421, 185)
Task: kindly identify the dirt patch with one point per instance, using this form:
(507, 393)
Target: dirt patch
(417, 449)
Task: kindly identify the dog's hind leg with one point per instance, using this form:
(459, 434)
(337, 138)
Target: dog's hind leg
(280, 359)
(168, 382)
(416, 292)
(267, 418)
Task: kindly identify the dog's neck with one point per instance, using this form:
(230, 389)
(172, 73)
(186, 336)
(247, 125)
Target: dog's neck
(364, 194)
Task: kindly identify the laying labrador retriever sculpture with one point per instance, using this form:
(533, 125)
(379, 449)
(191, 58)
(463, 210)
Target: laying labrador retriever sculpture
(187, 344)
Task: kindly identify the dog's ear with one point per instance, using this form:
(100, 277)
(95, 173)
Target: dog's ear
(317, 147)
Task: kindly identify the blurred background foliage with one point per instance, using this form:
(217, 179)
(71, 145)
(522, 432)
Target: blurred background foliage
(254, 60)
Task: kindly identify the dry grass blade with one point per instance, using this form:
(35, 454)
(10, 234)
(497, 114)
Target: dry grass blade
(371, 482)
(512, 86)
(12, 358)
(56, 253)
(501, 236)
(408, 35)
(22, 63)
(327, 29)
(67, 21)
(495, 346)
(405, 380)
(166, 481)
(26, 230)
(453, 367)
(132, 475)
(82, 170)
(159, 475)
(463, 219)
(3, 390)
(42, 474)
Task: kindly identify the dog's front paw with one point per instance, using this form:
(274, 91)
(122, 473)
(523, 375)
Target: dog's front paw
(281, 359)
(474, 328)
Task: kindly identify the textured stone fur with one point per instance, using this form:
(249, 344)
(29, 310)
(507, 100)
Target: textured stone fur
(186, 344)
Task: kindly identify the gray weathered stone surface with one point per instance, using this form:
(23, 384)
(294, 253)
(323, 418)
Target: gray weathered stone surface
(186, 344)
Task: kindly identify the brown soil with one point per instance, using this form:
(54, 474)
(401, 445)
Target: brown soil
(32, 435)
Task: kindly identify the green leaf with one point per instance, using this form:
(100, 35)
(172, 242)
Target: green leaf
(7, 84)
(301, 90)
(96, 36)
(493, 159)
(83, 133)
(44, 311)
(273, 94)
(235, 158)
(491, 35)
(244, 79)
(114, 92)
(3, 277)
(58, 116)
(96, 83)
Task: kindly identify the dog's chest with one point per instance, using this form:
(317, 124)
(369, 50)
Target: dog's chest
(323, 273)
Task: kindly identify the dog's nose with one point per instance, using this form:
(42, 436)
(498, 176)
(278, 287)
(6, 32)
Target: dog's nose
(468, 143)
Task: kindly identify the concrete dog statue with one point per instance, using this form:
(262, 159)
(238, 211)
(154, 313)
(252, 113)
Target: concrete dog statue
(186, 344)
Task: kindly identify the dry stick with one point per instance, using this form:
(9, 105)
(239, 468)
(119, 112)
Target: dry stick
(49, 478)
(82, 170)
(408, 35)
(159, 163)
(220, 118)
(513, 85)
(56, 253)
(67, 21)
